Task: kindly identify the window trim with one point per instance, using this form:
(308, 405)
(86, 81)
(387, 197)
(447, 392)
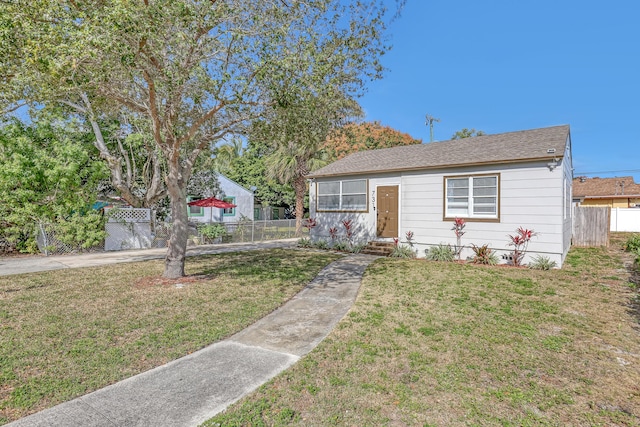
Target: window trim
(189, 214)
(232, 200)
(471, 217)
(341, 181)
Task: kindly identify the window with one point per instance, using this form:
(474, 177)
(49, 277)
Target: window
(342, 195)
(194, 210)
(229, 211)
(472, 196)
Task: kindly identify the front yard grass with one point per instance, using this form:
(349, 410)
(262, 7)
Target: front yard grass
(446, 344)
(68, 332)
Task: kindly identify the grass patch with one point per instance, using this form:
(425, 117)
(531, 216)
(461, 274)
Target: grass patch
(68, 332)
(454, 344)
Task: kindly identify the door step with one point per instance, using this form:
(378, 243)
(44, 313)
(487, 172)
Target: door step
(379, 248)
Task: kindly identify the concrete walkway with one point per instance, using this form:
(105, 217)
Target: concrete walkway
(190, 390)
(31, 264)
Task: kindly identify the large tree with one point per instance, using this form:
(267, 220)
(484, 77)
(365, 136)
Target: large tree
(191, 71)
(48, 175)
(364, 136)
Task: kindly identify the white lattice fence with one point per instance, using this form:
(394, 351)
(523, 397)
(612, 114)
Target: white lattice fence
(128, 228)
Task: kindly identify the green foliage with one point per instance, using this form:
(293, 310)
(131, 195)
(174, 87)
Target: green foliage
(402, 251)
(467, 133)
(321, 244)
(305, 243)
(541, 262)
(356, 249)
(212, 231)
(48, 174)
(633, 243)
(484, 255)
(81, 229)
(341, 246)
(249, 170)
(441, 252)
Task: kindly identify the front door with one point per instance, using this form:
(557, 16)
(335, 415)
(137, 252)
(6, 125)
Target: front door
(387, 211)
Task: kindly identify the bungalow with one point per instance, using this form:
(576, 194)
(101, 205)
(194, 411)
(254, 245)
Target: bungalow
(620, 192)
(497, 183)
(232, 192)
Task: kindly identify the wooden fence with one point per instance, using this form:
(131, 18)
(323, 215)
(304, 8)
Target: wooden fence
(591, 226)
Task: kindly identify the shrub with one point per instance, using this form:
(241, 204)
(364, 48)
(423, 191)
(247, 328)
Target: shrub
(402, 251)
(305, 243)
(540, 262)
(484, 255)
(441, 252)
(633, 243)
(341, 246)
(321, 244)
(357, 248)
(212, 231)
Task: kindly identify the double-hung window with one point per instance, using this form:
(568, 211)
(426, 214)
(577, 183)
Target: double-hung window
(347, 195)
(475, 196)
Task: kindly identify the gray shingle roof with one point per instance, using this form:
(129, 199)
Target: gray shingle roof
(508, 147)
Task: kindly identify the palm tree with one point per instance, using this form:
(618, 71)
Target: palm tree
(298, 128)
(225, 154)
(290, 163)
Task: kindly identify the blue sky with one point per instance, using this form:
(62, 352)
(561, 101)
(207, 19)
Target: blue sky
(505, 65)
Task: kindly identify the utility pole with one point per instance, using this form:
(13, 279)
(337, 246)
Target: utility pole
(429, 120)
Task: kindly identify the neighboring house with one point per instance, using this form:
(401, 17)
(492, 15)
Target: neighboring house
(262, 211)
(612, 192)
(497, 183)
(231, 192)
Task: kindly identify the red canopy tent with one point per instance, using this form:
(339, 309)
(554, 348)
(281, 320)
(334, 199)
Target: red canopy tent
(212, 202)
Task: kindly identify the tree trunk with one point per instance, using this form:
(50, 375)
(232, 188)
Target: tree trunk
(176, 252)
(300, 188)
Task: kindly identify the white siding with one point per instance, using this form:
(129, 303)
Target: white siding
(531, 196)
(243, 199)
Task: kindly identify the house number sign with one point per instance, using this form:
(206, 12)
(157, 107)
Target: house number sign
(373, 200)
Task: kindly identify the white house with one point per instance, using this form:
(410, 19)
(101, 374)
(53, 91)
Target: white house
(497, 183)
(232, 192)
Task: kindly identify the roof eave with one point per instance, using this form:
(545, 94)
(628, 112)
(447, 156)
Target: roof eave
(449, 166)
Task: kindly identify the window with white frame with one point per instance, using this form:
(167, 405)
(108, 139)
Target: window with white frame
(347, 195)
(473, 196)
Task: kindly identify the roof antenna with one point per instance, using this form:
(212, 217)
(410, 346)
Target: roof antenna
(429, 120)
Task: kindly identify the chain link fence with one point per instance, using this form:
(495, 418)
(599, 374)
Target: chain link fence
(134, 230)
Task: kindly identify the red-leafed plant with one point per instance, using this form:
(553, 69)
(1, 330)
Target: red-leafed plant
(333, 232)
(348, 227)
(396, 241)
(309, 223)
(520, 243)
(458, 226)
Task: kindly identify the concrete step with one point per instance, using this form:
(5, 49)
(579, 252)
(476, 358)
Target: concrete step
(379, 248)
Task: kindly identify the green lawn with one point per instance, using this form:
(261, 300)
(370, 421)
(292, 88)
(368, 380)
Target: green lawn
(68, 332)
(447, 344)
